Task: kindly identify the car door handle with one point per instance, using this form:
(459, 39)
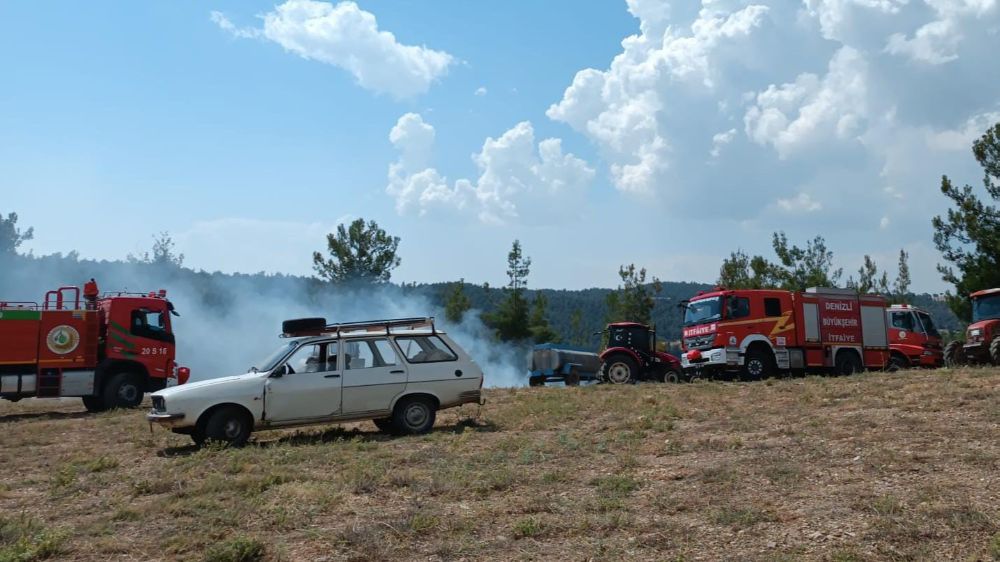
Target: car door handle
(397, 372)
(331, 376)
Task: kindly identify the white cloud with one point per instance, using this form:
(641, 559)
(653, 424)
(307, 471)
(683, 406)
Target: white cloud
(721, 139)
(345, 36)
(812, 110)
(481, 91)
(219, 19)
(883, 223)
(961, 139)
(518, 180)
(623, 108)
(801, 203)
(937, 41)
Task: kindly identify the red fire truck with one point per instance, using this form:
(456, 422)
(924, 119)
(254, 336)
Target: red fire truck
(913, 338)
(108, 349)
(761, 332)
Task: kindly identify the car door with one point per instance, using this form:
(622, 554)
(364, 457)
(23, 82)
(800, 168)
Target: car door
(373, 376)
(308, 386)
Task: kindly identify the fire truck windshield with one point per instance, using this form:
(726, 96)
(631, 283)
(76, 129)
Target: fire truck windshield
(271, 361)
(929, 328)
(986, 307)
(703, 310)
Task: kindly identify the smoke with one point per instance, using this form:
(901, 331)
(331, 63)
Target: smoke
(228, 323)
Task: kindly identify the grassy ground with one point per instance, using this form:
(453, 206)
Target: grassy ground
(880, 466)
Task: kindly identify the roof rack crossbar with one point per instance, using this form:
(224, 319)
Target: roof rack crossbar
(417, 322)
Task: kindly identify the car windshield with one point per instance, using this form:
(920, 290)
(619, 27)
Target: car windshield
(703, 310)
(929, 328)
(986, 307)
(271, 360)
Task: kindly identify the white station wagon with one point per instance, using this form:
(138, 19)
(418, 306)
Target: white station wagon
(398, 373)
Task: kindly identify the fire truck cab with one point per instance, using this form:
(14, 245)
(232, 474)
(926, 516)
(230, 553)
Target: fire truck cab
(913, 338)
(108, 350)
(759, 332)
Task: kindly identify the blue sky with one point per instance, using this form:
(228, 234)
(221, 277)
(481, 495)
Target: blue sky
(599, 133)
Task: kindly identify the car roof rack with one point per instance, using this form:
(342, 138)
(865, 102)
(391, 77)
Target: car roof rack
(371, 326)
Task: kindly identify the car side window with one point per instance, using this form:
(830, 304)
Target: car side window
(369, 354)
(314, 358)
(425, 349)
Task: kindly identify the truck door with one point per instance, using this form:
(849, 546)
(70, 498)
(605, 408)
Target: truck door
(309, 386)
(373, 376)
(152, 340)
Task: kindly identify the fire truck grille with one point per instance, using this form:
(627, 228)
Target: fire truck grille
(158, 404)
(700, 342)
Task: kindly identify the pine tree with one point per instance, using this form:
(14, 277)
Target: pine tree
(541, 331)
(358, 253)
(457, 303)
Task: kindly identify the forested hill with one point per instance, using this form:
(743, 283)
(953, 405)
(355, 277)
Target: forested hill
(575, 314)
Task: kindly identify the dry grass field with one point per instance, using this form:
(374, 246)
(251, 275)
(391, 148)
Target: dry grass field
(879, 466)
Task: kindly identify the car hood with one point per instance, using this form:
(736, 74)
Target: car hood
(236, 381)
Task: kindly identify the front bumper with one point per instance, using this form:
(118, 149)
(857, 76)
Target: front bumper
(168, 420)
(719, 357)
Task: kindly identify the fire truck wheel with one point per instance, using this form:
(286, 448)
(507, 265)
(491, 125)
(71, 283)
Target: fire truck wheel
(995, 351)
(228, 425)
(413, 416)
(758, 365)
(94, 403)
(123, 390)
(847, 363)
(954, 354)
(896, 363)
(620, 369)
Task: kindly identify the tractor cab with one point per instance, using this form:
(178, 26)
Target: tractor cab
(631, 356)
(637, 337)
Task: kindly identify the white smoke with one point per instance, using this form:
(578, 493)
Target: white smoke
(228, 323)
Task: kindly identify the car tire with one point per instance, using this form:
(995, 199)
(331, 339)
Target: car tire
(303, 325)
(413, 416)
(94, 404)
(123, 390)
(384, 425)
(954, 354)
(847, 363)
(227, 425)
(620, 369)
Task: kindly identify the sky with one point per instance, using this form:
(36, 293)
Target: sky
(597, 133)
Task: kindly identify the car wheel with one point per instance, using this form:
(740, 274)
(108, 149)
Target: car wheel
(123, 390)
(384, 425)
(413, 416)
(227, 425)
(847, 363)
(954, 354)
(620, 369)
(94, 403)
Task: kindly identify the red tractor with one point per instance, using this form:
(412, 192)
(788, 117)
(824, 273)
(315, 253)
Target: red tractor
(108, 350)
(982, 337)
(631, 356)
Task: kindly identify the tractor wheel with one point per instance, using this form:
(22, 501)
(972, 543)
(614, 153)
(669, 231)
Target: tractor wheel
(847, 363)
(673, 376)
(123, 390)
(897, 363)
(995, 351)
(620, 369)
(94, 403)
(758, 365)
(954, 354)
(413, 416)
(228, 425)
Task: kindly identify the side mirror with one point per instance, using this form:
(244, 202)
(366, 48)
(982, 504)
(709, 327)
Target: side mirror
(281, 371)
